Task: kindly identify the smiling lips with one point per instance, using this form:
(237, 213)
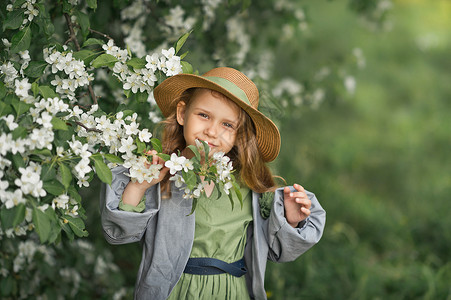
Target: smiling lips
(209, 144)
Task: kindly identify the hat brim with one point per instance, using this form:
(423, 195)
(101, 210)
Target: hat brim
(267, 134)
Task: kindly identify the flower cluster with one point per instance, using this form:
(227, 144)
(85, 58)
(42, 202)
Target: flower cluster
(218, 168)
(143, 79)
(30, 10)
(73, 71)
(10, 73)
(30, 182)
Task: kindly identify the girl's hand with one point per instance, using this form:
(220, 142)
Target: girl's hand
(134, 191)
(297, 205)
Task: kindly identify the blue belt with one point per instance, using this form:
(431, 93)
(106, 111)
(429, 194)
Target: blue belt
(212, 266)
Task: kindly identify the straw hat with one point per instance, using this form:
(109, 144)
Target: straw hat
(237, 87)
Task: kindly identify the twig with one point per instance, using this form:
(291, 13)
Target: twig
(87, 128)
(73, 37)
(100, 33)
(72, 32)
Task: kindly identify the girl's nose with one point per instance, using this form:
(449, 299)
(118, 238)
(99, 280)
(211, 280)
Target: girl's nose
(211, 130)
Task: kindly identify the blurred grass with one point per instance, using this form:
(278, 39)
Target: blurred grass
(378, 162)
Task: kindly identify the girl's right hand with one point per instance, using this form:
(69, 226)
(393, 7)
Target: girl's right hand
(134, 191)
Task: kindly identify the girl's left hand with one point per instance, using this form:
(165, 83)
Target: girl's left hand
(297, 205)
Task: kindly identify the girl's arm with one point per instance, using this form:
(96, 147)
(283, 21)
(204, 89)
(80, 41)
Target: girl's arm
(134, 191)
(286, 243)
(121, 227)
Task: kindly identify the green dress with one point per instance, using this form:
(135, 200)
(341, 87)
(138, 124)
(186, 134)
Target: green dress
(220, 233)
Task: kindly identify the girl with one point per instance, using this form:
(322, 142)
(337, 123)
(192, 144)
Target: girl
(205, 255)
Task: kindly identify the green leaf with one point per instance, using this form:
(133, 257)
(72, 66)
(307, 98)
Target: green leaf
(18, 161)
(218, 189)
(19, 3)
(67, 230)
(35, 88)
(156, 145)
(85, 55)
(65, 174)
(92, 4)
(164, 156)
(206, 148)
(42, 224)
(13, 216)
(58, 124)
(74, 193)
(54, 187)
(2, 90)
(47, 92)
(45, 152)
(77, 225)
(103, 172)
(183, 55)
(83, 21)
(5, 109)
(187, 68)
(19, 132)
(238, 193)
(55, 230)
(35, 68)
(190, 179)
(137, 63)
(44, 21)
(141, 146)
(14, 19)
(113, 158)
(231, 200)
(48, 171)
(193, 207)
(141, 97)
(20, 107)
(104, 60)
(92, 41)
(127, 93)
(181, 41)
(196, 152)
(21, 40)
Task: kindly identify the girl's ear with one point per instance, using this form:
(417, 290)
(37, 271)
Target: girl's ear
(181, 108)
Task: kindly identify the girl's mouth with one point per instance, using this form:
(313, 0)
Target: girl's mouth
(209, 144)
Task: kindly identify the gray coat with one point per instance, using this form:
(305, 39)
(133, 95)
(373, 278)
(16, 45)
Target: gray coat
(167, 232)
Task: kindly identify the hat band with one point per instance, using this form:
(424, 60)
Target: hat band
(231, 87)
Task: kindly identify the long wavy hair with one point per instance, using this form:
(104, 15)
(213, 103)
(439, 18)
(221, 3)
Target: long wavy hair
(247, 161)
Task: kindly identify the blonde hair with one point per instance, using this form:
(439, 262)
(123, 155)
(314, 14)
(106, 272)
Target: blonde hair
(250, 167)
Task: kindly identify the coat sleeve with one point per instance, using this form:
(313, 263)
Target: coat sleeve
(121, 227)
(287, 243)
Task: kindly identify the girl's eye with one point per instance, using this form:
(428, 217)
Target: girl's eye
(203, 115)
(228, 125)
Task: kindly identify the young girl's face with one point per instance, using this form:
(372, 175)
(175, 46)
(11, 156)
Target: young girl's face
(209, 117)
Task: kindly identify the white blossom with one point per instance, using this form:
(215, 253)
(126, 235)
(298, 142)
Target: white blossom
(144, 135)
(9, 119)
(175, 164)
(22, 87)
(178, 180)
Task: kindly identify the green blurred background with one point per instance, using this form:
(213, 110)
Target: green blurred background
(378, 162)
(377, 159)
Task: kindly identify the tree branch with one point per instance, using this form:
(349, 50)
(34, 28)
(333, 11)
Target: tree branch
(100, 33)
(73, 38)
(87, 128)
